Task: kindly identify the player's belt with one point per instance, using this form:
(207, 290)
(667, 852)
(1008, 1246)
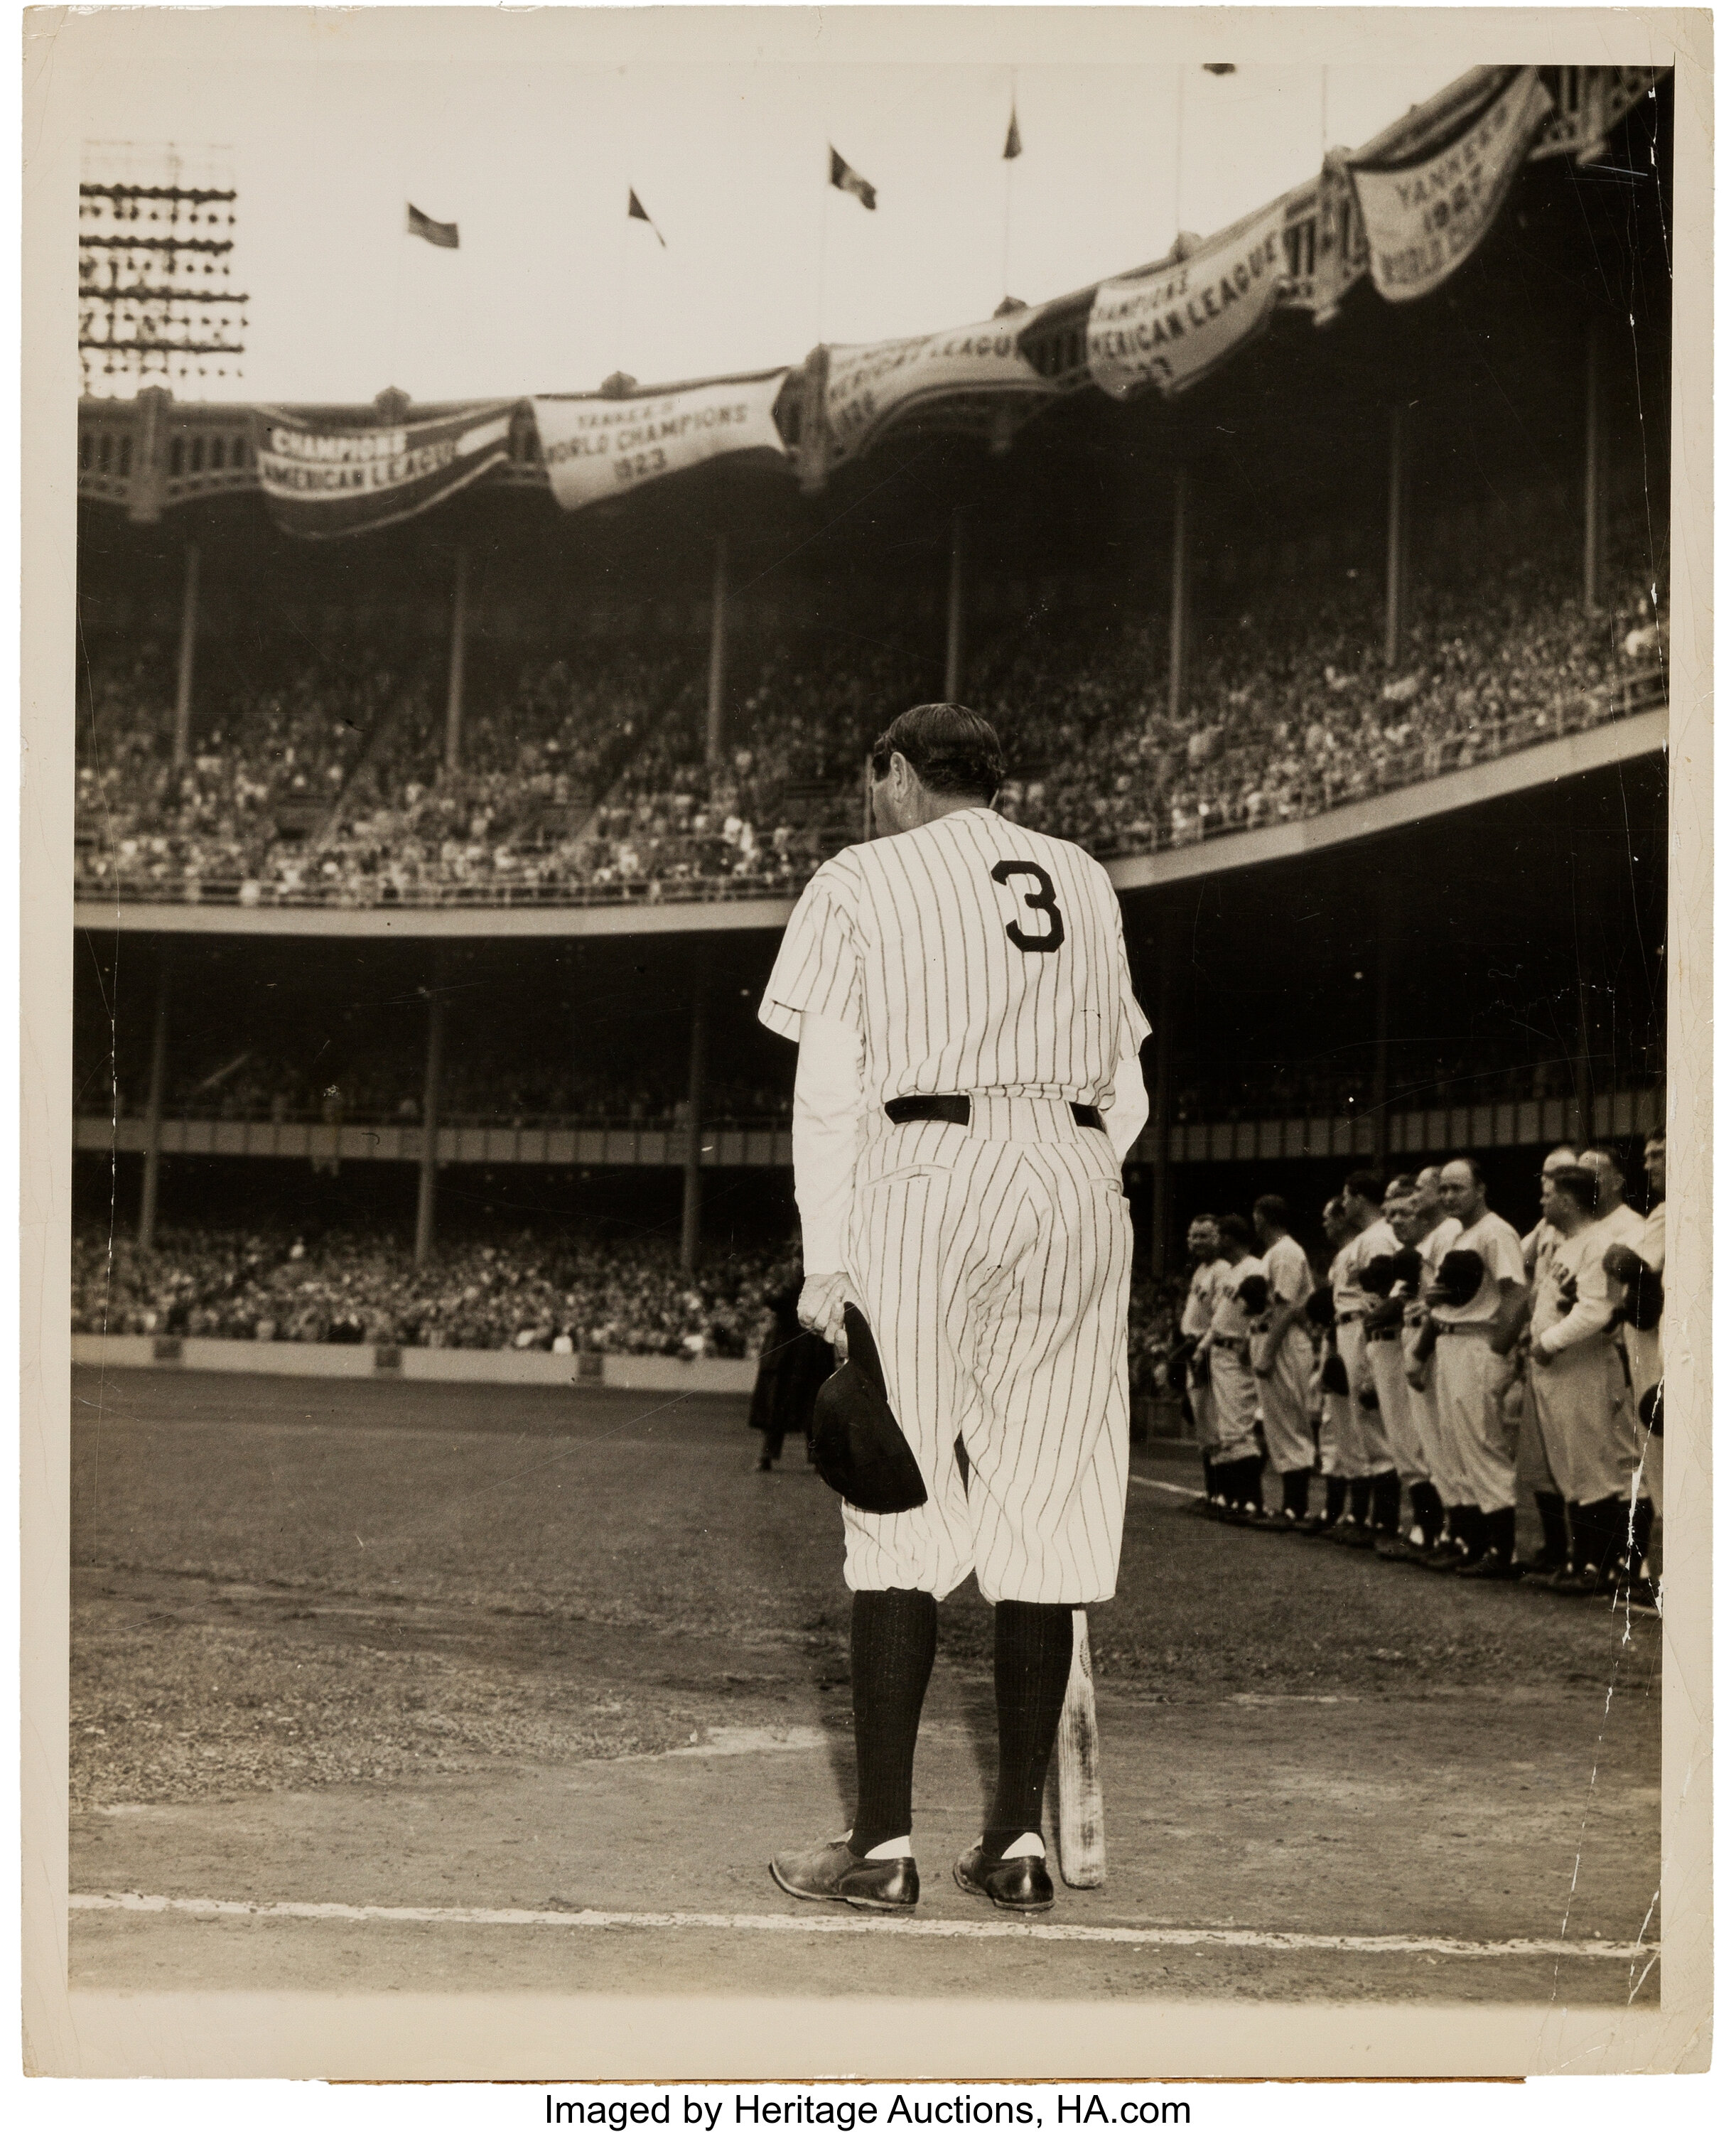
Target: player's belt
(1226, 1340)
(1384, 1332)
(956, 1110)
(1477, 1327)
(1349, 1318)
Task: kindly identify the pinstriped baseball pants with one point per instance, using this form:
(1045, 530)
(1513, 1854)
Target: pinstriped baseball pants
(993, 1263)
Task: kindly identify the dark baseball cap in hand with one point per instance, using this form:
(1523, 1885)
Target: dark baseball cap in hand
(859, 1448)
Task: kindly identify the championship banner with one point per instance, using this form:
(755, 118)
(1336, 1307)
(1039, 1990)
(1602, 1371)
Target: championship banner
(869, 384)
(595, 448)
(1173, 325)
(1425, 215)
(322, 479)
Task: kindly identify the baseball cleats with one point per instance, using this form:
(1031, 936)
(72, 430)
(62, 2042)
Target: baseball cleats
(1010, 1884)
(1492, 1568)
(833, 1873)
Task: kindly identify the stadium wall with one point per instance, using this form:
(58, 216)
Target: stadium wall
(703, 1375)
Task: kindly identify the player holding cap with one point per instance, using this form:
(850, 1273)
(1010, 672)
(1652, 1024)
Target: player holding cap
(1283, 1357)
(1477, 1301)
(960, 991)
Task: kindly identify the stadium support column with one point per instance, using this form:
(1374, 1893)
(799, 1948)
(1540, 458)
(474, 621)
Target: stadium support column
(184, 670)
(1596, 473)
(695, 1116)
(720, 654)
(154, 1109)
(455, 667)
(956, 609)
(1180, 538)
(1157, 1123)
(1398, 536)
(1387, 928)
(430, 1118)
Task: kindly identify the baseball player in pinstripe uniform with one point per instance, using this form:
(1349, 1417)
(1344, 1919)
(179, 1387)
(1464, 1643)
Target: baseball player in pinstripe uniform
(967, 1085)
(1338, 1445)
(1211, 1268)
(1283, 1358)
(1373, 1483)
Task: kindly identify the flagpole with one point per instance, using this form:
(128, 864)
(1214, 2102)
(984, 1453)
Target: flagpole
(1006, 198)
(1181, 84)
(819, 323)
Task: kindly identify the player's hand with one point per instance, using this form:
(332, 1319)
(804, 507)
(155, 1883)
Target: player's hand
(1622, 1265)
(1540, 1357)
(820, 1306)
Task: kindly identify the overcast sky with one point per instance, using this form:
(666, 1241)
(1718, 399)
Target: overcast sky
(529, 135)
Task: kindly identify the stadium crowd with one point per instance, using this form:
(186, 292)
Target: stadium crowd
(1444, 1367)
(564, 1294)
(586, 778)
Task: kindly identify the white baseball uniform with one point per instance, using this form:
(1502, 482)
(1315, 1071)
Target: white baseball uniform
(1284, 1390)
(1469, 1373)
(1584, 1402)
(1203, 1291)
(1234, 1388)
(1443, 1468)
(1367, 1452)
(974, 956)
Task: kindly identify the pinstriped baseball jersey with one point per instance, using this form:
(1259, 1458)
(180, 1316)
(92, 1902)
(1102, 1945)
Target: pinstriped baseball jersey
(992, 1259)
(971, 954)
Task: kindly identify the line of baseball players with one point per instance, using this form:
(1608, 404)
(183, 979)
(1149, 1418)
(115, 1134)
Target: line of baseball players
(1447, 1365)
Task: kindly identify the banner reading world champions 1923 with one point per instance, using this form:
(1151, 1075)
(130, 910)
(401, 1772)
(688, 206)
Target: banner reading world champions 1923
(1170, 325)
(595, 447)
(867, 386)
(322, 479)
(1426, 215)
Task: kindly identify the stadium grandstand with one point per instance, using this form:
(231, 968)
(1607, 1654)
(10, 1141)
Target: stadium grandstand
(429, 869)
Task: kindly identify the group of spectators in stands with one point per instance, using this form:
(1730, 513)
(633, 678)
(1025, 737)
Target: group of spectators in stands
(564, 1294)
(588, 777)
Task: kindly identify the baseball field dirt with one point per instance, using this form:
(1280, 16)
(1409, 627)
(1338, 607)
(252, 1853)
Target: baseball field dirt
(452, 1688)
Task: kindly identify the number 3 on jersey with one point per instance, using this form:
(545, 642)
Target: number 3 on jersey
(1046, 942)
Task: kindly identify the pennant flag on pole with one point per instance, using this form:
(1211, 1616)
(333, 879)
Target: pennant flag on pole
(445, 234)
(1014, 146)
(635, 213)
(851, 181)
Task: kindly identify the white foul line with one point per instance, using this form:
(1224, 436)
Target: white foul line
(199, 1906)
(1169, 1487)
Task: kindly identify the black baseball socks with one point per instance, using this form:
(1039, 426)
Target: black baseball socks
(1296, 1491)
(1033, 1654)
(891, 1656)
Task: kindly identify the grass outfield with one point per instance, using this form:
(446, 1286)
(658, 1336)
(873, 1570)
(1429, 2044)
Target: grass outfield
(306, 1611)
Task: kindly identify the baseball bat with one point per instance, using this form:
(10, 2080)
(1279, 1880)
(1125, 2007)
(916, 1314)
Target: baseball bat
(1079, 1784)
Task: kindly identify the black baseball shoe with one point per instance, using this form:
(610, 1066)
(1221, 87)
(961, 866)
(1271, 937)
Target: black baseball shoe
(1446, 1555)
(1492, 1568)
(833, 1873)
(1010, 1884)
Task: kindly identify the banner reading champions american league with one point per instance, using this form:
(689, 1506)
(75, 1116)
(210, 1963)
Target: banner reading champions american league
(595, 447)
(323, 478)
(1170, 325)
(869, 384)
(1425, 215)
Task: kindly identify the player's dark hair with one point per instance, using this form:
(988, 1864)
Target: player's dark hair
(1473, 1165)
(1578, 1183)
(1269, 1207)
(955, 752)
(1405, 1184)
(1608, 1155)
(1236, 1230)
(1364, 1184)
